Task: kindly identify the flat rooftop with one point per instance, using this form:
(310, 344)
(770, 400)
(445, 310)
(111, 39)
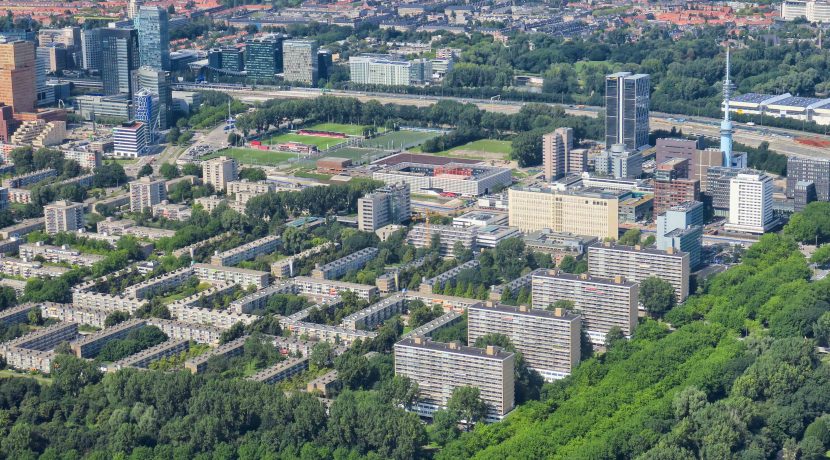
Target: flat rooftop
(421, 159)
(567, 316)
(461, 349)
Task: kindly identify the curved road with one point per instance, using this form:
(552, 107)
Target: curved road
(779, 139)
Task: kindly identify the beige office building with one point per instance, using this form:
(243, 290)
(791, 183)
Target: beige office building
(636, 263)
(63, 216)
(219, 171)
(590, 212)
(439, 368)
(548, 340)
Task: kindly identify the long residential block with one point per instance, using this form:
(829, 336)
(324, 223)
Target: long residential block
(259, 299)
(89, 345)
(376, 313)
(284, 268)
(428, 286)
(422, 235)
(72, 314)
(325, 333)
(248, 251)
(316, 287)
(240, 276)
(603, 303)
(205, 316)
(446, 320)
(637, 263)
(143, 358)
(179, 330)
(548, 340)
(18, 314)
(439, 368)
(343, 265)
(106, 302)
(162, 283)
(233, 348)
(281, 371)
(45, 339)
(56, 254)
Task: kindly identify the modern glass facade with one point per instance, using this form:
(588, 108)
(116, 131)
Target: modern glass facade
(626, 109)
(119, 60)
(263, 56)
(154, 37)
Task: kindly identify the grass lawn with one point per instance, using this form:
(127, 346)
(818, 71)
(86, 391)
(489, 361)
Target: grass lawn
(121, 161)
(399, 140)
(311, 175)
(255, 157)
(488, 148)
(8, 373)
(321, 142)
(350, 130)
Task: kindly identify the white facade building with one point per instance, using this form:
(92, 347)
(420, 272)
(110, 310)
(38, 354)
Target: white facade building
(750, 203)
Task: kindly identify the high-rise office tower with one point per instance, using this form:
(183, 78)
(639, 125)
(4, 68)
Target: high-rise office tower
(626, 109)
(119, 60)
(556, 153)
(300, 61)
(157, 83)
(263, 56)
(324, 63)
(816, 170)
(91, 49)
(154, 37)
(17, 75)
(45, 94)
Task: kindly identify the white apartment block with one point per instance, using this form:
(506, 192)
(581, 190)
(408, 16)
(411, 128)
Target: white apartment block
(603, 303)
(63, 216)
(130, 140)
(240, 276)
(813, 11)
(439, 368)
(146, 193)
(635, 264)
(421, 236)
(548, 340)
(750, 203)
(331, 288)
(219, 171)
(387, 205)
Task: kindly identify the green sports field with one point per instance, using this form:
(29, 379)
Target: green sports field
(322, 143)
(399, 140)
(485, 145)
(255, 157)
(350, 130)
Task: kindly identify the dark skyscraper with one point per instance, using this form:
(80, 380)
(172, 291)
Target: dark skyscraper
(153, 37)
(119, 60)
(263, 56)
(816, 170)
(626, 110)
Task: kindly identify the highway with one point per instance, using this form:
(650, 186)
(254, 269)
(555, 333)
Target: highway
(780, 140)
